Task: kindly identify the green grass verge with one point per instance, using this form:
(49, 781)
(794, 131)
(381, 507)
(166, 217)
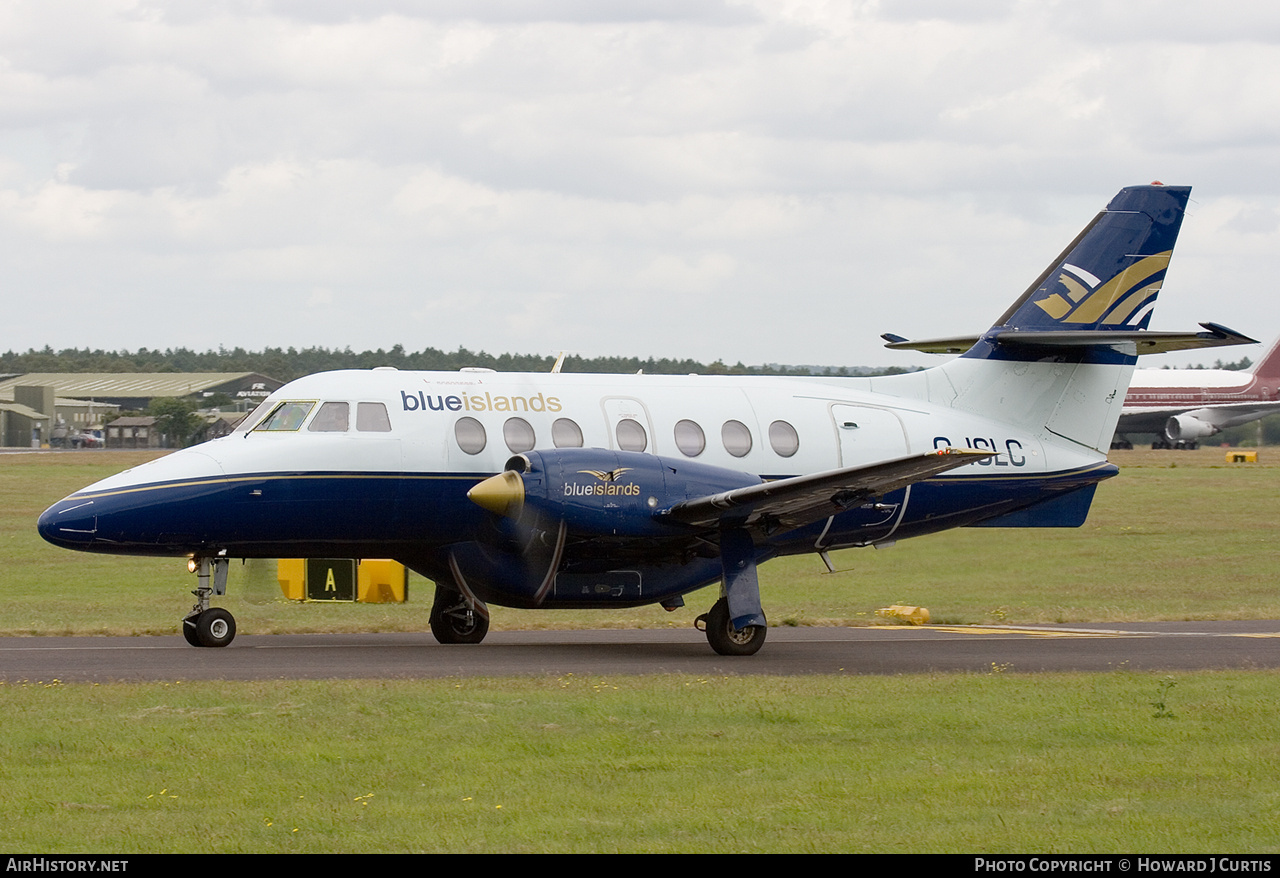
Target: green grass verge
(1117, 762)
(1120, 762)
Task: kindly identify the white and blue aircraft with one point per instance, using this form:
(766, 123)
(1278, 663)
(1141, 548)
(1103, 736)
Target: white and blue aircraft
(573, 490)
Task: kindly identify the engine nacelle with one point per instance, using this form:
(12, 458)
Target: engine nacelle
(1181, 428)
(595, 491)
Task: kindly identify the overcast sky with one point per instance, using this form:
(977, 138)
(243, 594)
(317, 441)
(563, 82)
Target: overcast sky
(746, 180)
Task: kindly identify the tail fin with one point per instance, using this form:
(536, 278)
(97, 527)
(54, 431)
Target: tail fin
(1268, 368)
(1106, 281)
(1058, 362)
(1098, 293)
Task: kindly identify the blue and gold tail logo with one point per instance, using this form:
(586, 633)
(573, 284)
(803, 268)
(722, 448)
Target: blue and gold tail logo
(1125, 301)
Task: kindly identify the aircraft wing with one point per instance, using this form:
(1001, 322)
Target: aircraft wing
(1223, 416)
(787, 504)
(1152, 420)
(1144, 341)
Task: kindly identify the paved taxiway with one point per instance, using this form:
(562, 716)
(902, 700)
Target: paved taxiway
(1155, 646)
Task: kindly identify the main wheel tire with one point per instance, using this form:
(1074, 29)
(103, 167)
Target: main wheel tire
(215, 627)
(458, 623)
(725, 639)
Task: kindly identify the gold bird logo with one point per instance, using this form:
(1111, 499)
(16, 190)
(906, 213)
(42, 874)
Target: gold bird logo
(610, 476)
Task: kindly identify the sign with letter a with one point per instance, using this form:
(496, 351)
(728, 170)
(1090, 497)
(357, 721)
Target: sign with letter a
(331, 579)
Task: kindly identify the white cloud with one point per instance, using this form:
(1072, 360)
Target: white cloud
(739, 180)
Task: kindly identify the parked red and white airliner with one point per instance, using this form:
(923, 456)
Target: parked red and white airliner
(1186, 405)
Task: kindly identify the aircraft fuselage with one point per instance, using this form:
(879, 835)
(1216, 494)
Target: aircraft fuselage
(397, 485)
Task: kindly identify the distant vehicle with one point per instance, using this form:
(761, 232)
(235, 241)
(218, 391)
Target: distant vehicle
(1184, 406)
(87, 439)
(65, 436)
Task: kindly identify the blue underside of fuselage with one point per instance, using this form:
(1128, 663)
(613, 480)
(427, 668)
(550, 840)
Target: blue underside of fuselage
(424, 519)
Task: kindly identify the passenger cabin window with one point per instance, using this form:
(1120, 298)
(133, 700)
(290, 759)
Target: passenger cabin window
(736, 438)
(371, 417)
(690, 439)
(518, 435)
(332, 418)
(566, 434)
(631, 435)
(287, 416)
(783, 438)
(470, 435)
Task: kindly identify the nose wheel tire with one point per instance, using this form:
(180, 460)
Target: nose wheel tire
(213, 627)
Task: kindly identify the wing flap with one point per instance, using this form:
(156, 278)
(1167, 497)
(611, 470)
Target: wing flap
(787, 504)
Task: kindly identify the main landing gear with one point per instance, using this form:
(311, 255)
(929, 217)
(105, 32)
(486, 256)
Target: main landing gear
(205, 625)
(723, 637)
(454, 619)
(739, 599)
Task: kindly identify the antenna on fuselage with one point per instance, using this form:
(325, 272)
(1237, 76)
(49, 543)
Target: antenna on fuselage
(559, 362)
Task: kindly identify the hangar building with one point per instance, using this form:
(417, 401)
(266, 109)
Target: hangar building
(135, 390)
(32, 404)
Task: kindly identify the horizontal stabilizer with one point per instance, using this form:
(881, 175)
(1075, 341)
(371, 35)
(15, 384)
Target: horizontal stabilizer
(1144, 341)
(954, 345)
(787, 504)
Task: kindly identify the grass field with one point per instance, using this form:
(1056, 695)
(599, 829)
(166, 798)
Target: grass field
(941, 763)
(990, 763)
(1177, 535)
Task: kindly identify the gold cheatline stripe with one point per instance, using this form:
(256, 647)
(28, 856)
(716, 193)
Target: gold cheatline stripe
(216, 480)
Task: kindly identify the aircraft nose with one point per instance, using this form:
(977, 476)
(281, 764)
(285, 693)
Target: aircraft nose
(118, 513)
(70, 523)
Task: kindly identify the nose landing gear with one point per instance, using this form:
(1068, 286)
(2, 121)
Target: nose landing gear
(205, 625)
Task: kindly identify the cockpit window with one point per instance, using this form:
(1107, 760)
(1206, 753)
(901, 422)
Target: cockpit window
(371, 417)
(332, 418)
(287, 416)
(252, 418)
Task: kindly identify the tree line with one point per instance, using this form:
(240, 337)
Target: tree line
(286, 364)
